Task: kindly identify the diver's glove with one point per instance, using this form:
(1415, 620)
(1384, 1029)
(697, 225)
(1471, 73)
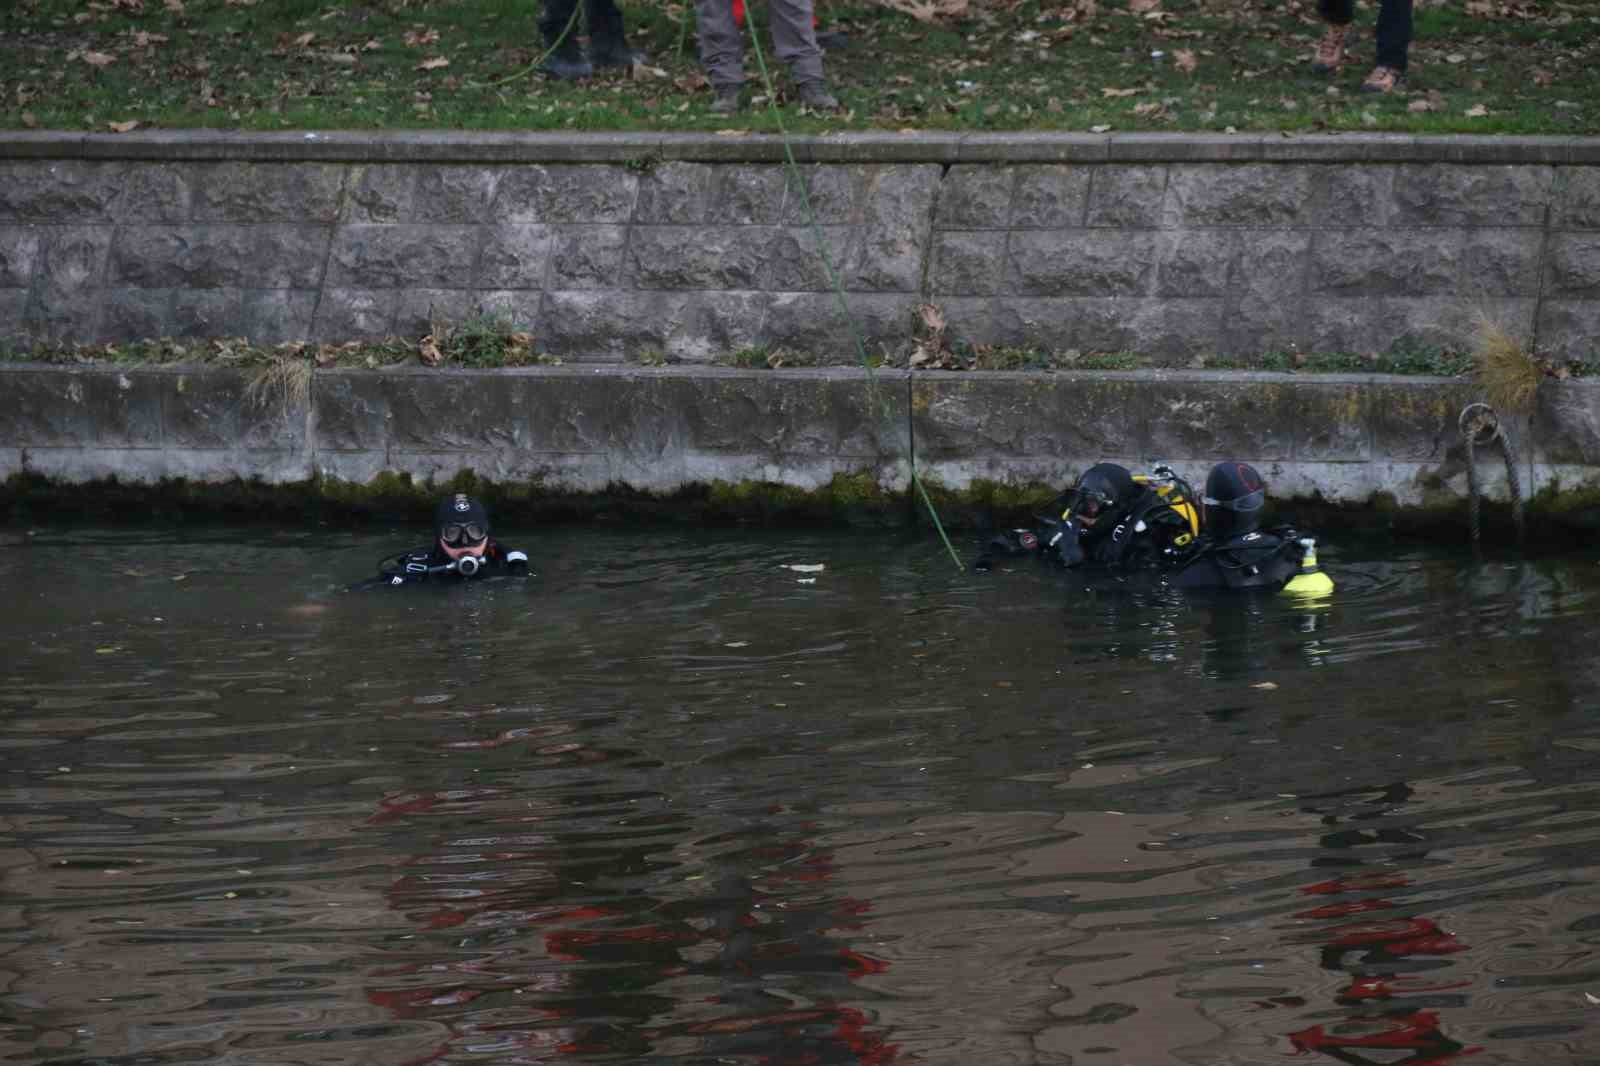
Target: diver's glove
(516, 562)
(1064, 544)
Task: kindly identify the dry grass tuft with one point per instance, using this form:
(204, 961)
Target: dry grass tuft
(282, 384)
(1505, 369)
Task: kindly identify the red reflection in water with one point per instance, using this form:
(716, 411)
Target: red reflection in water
(772, 920)
(1379, 946)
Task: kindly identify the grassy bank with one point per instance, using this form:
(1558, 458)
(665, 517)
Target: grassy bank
(1478, 66)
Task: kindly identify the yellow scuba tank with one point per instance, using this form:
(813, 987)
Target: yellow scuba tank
(1174, 492)
(1310, 580)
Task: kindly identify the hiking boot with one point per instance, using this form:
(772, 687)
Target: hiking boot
(812, 94)
(567, 62)
(1383, 80)
(604, 54)
(1330, 50)
(726, 101)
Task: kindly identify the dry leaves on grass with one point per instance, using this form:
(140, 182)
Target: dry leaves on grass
(928, 10)
(418, 38)
(1184, 60)
(94, 59)
(433, 63)
(1110, 92)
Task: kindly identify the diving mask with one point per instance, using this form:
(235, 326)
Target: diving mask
(462, 534)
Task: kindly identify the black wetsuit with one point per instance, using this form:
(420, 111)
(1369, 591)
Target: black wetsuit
(1265, 558)
(1148, 534)
(432, 564)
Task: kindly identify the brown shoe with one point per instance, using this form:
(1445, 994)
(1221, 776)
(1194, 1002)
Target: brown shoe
(1330, 50)
(1383, 80)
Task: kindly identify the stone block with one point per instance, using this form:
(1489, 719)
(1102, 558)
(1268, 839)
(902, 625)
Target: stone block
(1271, 264)
(831, 191)
(1243, 195)
(19, 255)
(276, 316)
(1375, 325)
(579, 193)
(230, 409)
(1574, 266)
(1416, 422)
(13, 317)
(456, 195)
(448, 412)
(1059, 323)
(621, 325)
(886, 257)
(203, 313)
(813, 323)
(702, 327)
(379, 193)
(1218, 419)
(969, 319)
(577, 413)
(155, 192)
(967, 263)
(60, 191)
(1059, 418)
(73, 317)
(517, 309)
(706, 257)
(273, 256)
(673, 193)
(975, 196)
(1354, 197)
(380, 257)
(1194, 263)
(1174, 330)
(249, 192)
(1577, 203)
(1457, 195)
(1080, 263)
(1565, 428)
(1502, 262)
(1386, 263)
(345, 315)
(788, 421)
(72, 259)
(517, 256)
(1570, 329)
(745, 196)
(795, 263)
(1050, 197)
(587, 257)
(1329, 423)
(109, 409)
(901, 197)
(350, 411)
(1127, 197)
(422, 311)
(137, 314)
(1255, 323)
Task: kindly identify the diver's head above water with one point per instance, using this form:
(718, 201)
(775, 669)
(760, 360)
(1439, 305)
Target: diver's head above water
(1102, 495)
(1235, 495)
(461, 526)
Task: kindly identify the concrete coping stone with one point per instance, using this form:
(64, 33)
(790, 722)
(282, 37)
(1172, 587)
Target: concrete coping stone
(439, 146)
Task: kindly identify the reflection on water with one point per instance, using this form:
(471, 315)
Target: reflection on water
(670, 801)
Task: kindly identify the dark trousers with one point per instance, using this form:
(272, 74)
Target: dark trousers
(1394, 27)
(605, 24)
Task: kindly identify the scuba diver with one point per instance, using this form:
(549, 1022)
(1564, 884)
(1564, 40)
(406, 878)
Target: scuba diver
(1115, 520)
(1110, 519)
(1233, 552)
(461, 549)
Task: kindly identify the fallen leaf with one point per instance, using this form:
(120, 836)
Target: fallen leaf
(1541, 77)
(343, 59)
(124, 127)
(732, 133)
(1268, 685)
(1099, 129)
(1184, 60)
(1422, 105)
(1139, 7)
(644, 71)
(174, 6)
(428, 349)
(98, 59)
(1106, 91)
(180, 577)
(434, 63)
(414, 39)
(1477, 111)
(1455, 57)
(304, 39)
(29, 119)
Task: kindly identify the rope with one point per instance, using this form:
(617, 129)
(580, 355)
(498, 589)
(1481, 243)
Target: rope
(799, 184)
(1480, 426)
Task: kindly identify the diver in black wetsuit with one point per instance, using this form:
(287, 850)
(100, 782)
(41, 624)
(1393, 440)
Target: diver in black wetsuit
(1109, 520)
(461, 549)
(1234, 552)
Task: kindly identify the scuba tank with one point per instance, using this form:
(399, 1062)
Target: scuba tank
(1309, 580)
(1177, 495)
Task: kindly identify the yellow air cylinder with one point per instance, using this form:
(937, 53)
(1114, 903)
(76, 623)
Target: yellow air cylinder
(1310, 581)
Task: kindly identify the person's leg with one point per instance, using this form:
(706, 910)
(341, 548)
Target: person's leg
(794, 39)
(721, 46)
(608, 42)
(1329, 56)
(1394, 33)
(560, 30)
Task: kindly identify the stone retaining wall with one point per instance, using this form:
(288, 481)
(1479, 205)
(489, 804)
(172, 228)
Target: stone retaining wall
(565, 432)
(611, 246)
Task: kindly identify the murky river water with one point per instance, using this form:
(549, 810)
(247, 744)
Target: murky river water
(669, 801)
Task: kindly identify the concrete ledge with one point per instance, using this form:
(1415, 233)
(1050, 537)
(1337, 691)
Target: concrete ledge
(431, 146)
(561, 434)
